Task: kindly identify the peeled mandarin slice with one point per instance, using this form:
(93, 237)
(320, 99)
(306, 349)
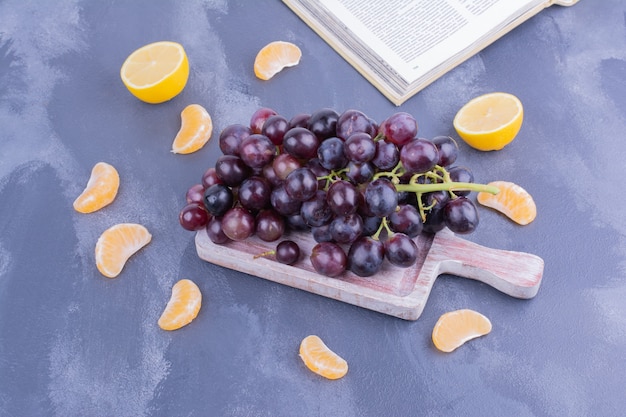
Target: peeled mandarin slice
(490, 122)
(182, 307)
(512, 200)
(195, 130)
(274, 57)
(101, 189)
(117, 244)
(455, 328)
(156, 72)
(320, 359)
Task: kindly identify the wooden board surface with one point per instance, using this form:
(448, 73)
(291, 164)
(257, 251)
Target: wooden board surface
(399, 292)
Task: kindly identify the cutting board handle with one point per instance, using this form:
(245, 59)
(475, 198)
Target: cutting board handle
(517, 274)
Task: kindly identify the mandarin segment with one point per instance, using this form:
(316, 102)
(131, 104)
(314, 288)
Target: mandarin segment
(274, 57)
(182, 307)
(117, 244)
(455, 328)
(195, 130)
(101, 189)
(320, 359)
(512, 200)
(490, 122)
(156, 72)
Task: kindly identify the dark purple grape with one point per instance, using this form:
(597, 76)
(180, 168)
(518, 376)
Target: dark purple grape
(231, 170)
(360, 173)
(316, 167)
(323, 123)
(435, 202)
(399, 128)
(435, 198)
(401, 250)
(346, 229)
(258, 118)
(270, 175)
(328, 259)
(296, 222)
(299, 120)
(448, 150)
(419, 156)
(301, 184)
(283, 164)
(238, 224)
(321, 233)
(371, 225)
(461, 174)
(316, 211)
(301, 143)
(353, 121)
(195, 194)
(218, 199)
(342, 198)
(257, 151)
(363, 209)
(194, 216)
(387, 155)
(460, 215)
(269, 225)
(210, 178)
(407, 197)
(275, 128)
(406, 219)
(366, 256)
(215, 232)
(283, 203)
(360, 148)
(231, 137)
(254, 193)
(381, 197)
(331, 154)
(287, 252)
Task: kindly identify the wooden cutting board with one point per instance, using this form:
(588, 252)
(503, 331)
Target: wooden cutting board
(399, 292)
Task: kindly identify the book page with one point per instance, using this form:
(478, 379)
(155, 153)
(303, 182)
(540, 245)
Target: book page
(415, 36)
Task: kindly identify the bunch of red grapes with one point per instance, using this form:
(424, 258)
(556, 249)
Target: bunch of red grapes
(363, 190)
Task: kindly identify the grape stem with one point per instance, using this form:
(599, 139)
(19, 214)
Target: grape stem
(264, 254)
(447, 186)
(384, 225)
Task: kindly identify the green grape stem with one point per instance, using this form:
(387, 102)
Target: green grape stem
(447, 186)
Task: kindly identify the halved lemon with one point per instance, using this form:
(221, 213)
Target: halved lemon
(156, 72)
(490, 122)
(274, 57)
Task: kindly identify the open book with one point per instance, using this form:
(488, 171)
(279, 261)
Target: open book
(401, 46)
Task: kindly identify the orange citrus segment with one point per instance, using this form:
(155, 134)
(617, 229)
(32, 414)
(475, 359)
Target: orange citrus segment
(455, 328)
(512, 200)
(320, 359)
(156, 72)
(490, 122)
(101, 189)
(117, 244)
(195, 130)
(274, 57)
(182, 307)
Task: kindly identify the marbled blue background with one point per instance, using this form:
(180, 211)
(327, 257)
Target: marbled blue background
(73, 343)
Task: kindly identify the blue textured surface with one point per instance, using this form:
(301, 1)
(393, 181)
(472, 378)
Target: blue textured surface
(73, 343)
